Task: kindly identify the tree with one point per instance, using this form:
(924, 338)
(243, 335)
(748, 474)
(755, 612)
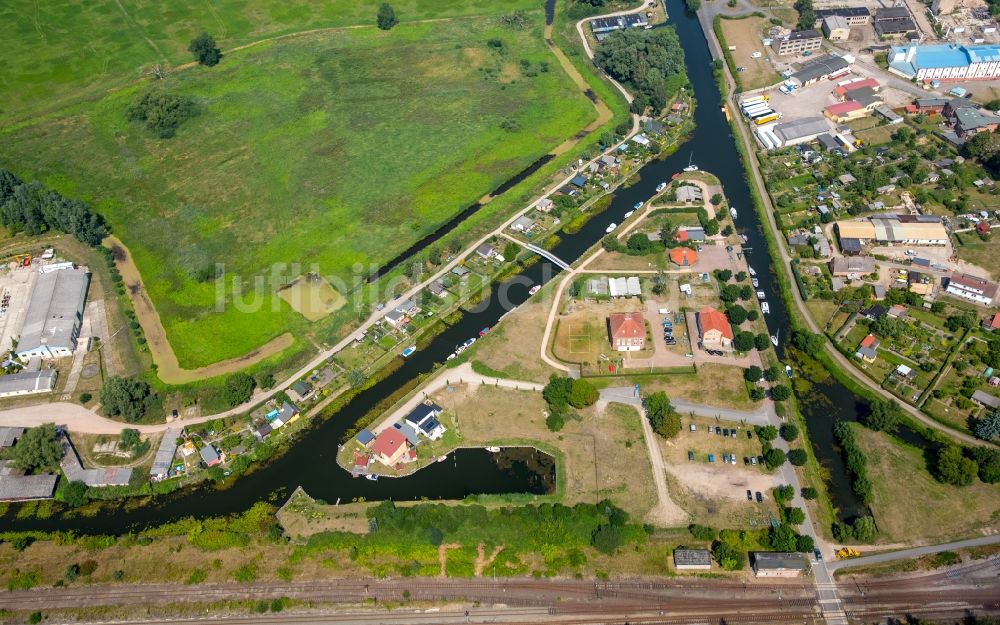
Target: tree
(883, 415)
(239, 388)
(161, 113)
(988, 460)
(556, 392)
(716, 200)
(607, 538)
(795, 516)
(752, 373)
(766, 433)
(32, 208)
(75, 493)
(811, 344)
(804, 543)
(729, 293)
(204, 50)
(37, 450)
(736, 314)
(797, 457)
(662, 416)
(702, 532)
(782, 538)
(692, 5)
(266, 380)
(988, 427)
(644, 60)
(954, 468)
(127, 397)
(762, 341)
(773, 458)
(808, 492)
(983, 145)
(864, 529)
(386, 17)
(510, 251)
(723, 275)
(582, 394)
(966, 321)
(129, 438)
(727, 556)
(789, 431)
(773, 373)
(781, 392)
(757, 393)
(783, 493)
(743, 342)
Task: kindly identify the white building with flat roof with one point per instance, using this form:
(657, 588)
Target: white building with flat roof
(55, 313)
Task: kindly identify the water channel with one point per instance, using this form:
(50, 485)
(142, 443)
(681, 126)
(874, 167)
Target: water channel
(310, 463)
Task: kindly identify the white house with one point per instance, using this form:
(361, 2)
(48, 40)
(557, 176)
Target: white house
(424, 420)
(972, 288)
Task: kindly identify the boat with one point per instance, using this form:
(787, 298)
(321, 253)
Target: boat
(371, 476)
(750, 269)
(451, 355)
(660, 187)
(484, 331)
(628, 214)
(409, 351)
(442, 458)
(534, 289)
(761, 295)
(732, 211)
(765, 308)
(637, 205)
(788, 372)
(774, 340)
(744, 238)
(691, 167)
(493, 450)
(755, 282)
(469, 342)
(611, 228)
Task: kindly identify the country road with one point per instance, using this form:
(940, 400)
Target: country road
(913, 552)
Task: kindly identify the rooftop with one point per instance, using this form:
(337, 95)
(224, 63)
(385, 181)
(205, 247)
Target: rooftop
(819, 67)
(9, 436)
(25, 382)
(54, 310)
(627, 325)
(21, 487)
(692, 557)
(711, 319)
(774, 560)
(804, 127)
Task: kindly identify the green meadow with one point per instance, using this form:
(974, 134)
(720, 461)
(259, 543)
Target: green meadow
(325, 149)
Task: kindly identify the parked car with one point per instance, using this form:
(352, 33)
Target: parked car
(749, 495)
(818, 554)
(694, 428)
(690, 455)
(732, 458)
(753, 460)
(718, 430)
(760, 498)
(760, 459)
(746, 461)
(711, 457)
(725, 432)
(725, 458)
(732, 433)
(749, 434)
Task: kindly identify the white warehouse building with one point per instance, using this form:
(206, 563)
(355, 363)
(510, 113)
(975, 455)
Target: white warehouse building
(946, 62)
(54, 316)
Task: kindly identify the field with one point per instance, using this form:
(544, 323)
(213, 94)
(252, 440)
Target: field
(312, 297)
(909, 504)
(980, 253)
(745, 34)
(319, 153)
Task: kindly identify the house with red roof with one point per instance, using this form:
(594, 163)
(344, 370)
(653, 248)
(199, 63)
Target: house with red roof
(845, 111)
(714, 329)
(992, 324)
(627, 331)
(983, 227)
(843, 91)
(390, 447)
(867, 348)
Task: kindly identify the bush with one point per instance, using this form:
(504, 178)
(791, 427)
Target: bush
(797, 457)
(774, 458)
(752, 374)
(386, 17)
(702, 532)
(808, 492)
(954, 468)
(789, 431)
(607, 538)
(161, 113)
(35, 617)
(783, 493)
(781, 392)
(204, 50)
(795, 516)
(766, 433)
(72, 572)
(883, 415)
(989, 463)
(85, 397)
(555, 421)
(804, 543)
(245, 574)
(728, 557)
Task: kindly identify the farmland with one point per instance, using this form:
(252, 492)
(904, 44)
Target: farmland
(317, 153)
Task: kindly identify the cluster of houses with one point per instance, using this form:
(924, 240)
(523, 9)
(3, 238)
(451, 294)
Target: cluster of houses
(278, 416)
(627, 331)
(397, 445)
(763, 563)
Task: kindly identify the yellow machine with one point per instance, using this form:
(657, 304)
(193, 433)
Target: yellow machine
(847, 552)
(23, 260)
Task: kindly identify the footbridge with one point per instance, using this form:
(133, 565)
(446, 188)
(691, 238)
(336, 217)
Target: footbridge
(541, 252)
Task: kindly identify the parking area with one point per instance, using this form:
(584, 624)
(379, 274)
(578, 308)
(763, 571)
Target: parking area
(15, 289)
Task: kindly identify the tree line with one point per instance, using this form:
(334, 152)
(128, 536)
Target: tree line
(34, 209)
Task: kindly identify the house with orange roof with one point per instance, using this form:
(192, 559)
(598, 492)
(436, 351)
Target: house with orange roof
(627, 331)
(867, 348)
(683, 256)
(714, 329)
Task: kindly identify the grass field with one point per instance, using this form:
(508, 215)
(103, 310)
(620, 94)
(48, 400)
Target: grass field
(909, 504)
(745, 34)
(321, 151)
(61, 51)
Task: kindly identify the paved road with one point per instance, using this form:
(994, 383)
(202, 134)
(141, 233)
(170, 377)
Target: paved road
(762, 416)
(915, 552)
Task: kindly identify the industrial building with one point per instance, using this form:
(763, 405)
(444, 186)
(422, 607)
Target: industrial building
(817, 70)
(855, 16)
(893, 230)
(972, 288)
(797, 42)
(55, 313)
(28, 383)
(946, 62)
(801, 130)
(836, 28)
(893, 21)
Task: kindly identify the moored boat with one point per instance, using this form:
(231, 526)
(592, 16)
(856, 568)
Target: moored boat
(409, 351)
(765, 308)
(661, 187)
(534, 289)
(732, 211)
(611, 228)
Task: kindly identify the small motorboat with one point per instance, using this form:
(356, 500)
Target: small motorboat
(459, 349)
(442, 458)
(484, 331)
(755, 282)
(765, 308)
(628, 214)
(637, 206)
(493, 450)
(451, 355)
(774, 340)
(691, 167)
(761, 295)
(534, 289)
(660, 187)
(468, 343)
(788, 372)
(732, 211)
(750, 269)
(409, 351)
(611, 228)
(744, 238)
(371, 476)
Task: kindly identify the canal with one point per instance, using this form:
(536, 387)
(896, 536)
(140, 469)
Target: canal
(311, 462)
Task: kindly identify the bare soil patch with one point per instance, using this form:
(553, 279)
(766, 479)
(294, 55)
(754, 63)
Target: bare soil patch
(312, 297)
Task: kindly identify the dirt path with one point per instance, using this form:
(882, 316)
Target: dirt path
(482, 561)
(443, 556)
(168, 368)
(604, 114)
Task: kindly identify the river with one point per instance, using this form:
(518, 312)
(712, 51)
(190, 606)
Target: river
(310, 462)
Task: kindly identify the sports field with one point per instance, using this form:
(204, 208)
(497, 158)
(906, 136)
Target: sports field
(322, 151)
